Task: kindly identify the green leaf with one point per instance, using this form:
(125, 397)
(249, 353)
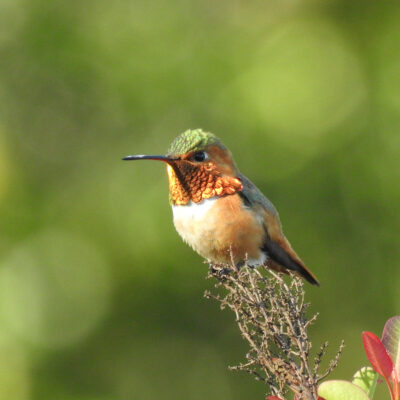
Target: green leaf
(366, 379)
(341, 390)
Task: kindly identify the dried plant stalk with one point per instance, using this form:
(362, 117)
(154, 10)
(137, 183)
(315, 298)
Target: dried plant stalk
(271, 315)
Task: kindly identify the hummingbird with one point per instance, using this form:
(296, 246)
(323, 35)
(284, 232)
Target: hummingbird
(220, 213)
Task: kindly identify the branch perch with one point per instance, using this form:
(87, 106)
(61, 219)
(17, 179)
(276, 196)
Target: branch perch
(271, 316)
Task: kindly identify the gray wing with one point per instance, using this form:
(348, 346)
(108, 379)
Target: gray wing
(252, 195)
(275, 245)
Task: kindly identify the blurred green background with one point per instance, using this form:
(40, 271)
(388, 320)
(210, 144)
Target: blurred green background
(99, 297)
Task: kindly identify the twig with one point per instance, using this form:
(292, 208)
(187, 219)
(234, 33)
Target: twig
(271, 316)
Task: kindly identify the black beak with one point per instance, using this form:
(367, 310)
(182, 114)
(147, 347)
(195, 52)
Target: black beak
(143, 157)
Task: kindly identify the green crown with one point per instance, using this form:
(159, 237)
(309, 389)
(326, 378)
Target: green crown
(192, 140)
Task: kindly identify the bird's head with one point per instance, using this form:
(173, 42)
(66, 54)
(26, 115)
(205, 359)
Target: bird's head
(199, 167)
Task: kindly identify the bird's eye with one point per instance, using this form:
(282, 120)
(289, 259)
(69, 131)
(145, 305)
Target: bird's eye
(200, 156)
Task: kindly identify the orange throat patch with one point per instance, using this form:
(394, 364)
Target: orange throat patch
(196, 183)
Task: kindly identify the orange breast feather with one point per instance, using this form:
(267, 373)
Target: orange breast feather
(235, 227)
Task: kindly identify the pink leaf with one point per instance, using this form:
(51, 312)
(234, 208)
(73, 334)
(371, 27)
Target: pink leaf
(391, 341)
(273, 398)
(377, 355)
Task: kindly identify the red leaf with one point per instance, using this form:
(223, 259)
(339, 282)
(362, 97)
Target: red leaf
(377, 355)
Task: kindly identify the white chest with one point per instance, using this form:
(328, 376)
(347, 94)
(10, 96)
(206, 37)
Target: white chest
(193, 211)
(195, 223)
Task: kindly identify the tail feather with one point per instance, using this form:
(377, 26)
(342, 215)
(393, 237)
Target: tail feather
(282, 256)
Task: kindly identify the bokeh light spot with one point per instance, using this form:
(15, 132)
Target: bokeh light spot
(14, 371)
(303, 81)
(54, 289)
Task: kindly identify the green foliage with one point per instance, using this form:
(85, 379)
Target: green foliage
(381, 359)
(341, 390)
(366, 378)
